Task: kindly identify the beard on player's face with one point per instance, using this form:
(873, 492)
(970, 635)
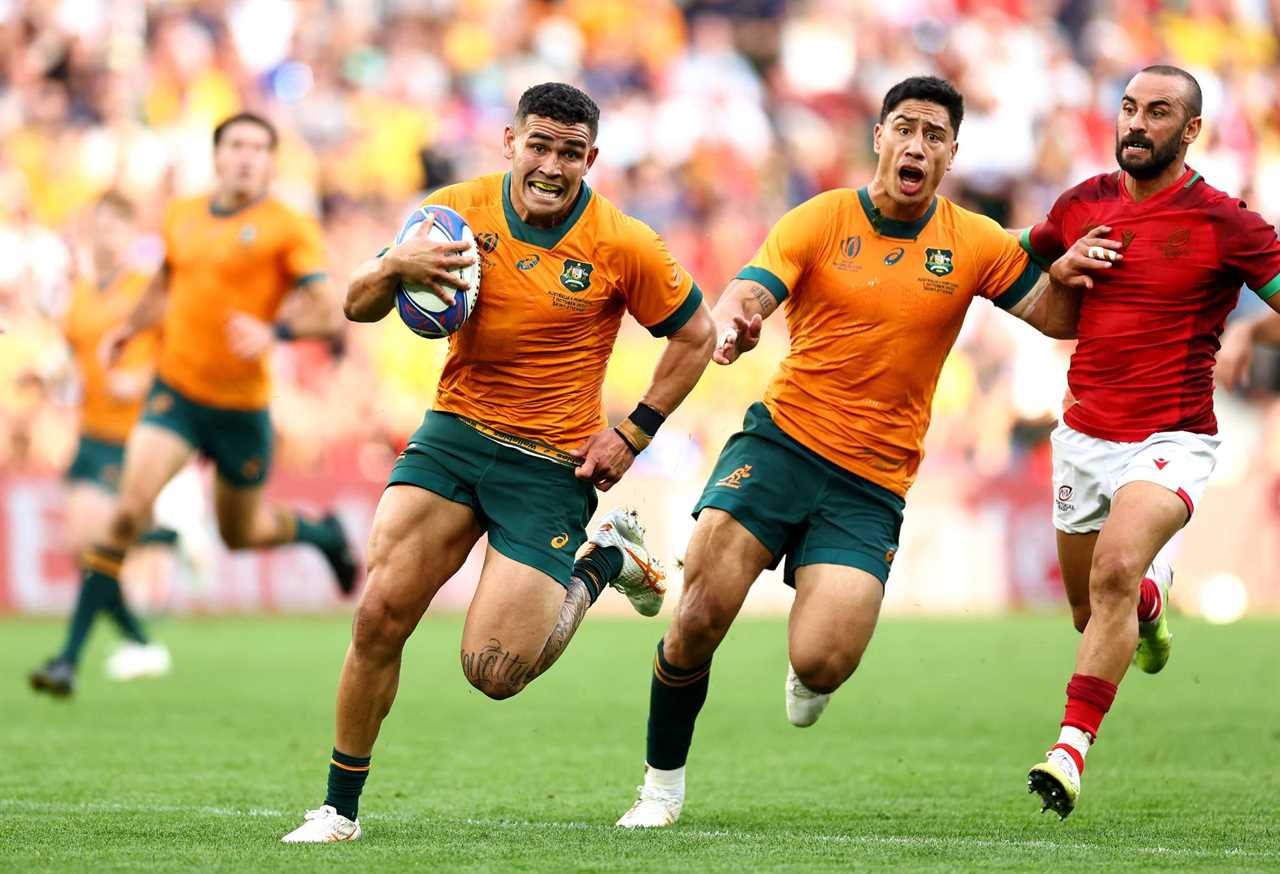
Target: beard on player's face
(1144, 158)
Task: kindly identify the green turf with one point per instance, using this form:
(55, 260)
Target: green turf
(919, 764)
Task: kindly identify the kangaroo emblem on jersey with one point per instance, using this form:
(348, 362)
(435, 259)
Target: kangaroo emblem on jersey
(938, 261)
(576, 275)
(734, 480)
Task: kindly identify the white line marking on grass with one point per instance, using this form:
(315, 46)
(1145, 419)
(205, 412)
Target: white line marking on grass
(719, 834)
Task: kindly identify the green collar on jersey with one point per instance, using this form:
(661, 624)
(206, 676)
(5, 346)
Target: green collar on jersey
(547, 238)
(223, 212)
(887, 227)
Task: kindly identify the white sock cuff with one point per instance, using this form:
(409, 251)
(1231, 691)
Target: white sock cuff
(1075, 738)
(672, 781)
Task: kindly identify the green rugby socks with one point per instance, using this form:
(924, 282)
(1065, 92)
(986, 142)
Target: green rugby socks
(675, 697)
(598, 565)
(100, 591)
(346, 781)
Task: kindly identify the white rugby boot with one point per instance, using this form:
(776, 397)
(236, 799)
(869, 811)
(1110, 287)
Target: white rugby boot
(641, 579)
(132, 661)
(323, 826)
(657, 806)
(804, 705)
(1057, 781)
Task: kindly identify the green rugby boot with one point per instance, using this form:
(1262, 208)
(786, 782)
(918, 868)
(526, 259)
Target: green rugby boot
(1155, 640)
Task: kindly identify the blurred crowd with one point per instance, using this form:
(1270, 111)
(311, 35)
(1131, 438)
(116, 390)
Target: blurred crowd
(717, 117)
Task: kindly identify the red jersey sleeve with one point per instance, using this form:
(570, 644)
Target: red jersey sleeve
(1252, 250)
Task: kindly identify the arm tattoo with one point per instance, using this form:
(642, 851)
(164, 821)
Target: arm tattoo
(768, 303)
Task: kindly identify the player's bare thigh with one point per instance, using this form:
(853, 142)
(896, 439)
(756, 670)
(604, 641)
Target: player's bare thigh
(418, 541)
(1144, 517)
(152, 456)
(1075, 558)
(513, 612)
(721, 563)
(831, 622)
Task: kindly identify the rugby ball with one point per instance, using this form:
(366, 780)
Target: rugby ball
(424, 313)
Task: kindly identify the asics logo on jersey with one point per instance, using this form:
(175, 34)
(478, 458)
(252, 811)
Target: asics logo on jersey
(576, 275)
(559, 541)
(895, 256)
(528, 262)
(1160, 463)
(734, 480)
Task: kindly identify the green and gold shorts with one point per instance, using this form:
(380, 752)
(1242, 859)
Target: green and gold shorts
(525, 495)
(97, 462)
(801, 506)
(237, 441)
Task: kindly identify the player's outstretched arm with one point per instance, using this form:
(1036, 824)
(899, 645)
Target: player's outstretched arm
(1051, 308)
(146, 313)
(608, 454)
(371, 294)
(738, 317)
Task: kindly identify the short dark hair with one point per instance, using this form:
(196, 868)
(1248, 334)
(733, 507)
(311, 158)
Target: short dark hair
(1193, 98)
(929, 88)
(117, 202)
(248, 118)
(559, 102)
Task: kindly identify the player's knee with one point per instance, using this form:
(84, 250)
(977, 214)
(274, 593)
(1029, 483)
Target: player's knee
(235, 535)
(379, 628)
(701, 623)
(498, 690)
(823, 672)
(1114, 576)
(127, 523)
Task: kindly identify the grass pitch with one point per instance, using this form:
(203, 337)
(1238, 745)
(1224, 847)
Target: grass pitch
(919, 764)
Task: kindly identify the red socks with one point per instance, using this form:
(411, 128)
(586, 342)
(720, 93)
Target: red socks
(1150, 601)
(1088, 700)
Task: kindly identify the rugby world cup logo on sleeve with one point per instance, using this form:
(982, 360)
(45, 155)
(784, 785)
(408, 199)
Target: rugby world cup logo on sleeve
(576, 275)
(487, 242)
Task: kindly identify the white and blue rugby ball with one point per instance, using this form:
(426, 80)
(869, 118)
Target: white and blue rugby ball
(424, 313)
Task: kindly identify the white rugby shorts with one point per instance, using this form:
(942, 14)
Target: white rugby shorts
(1087, 471)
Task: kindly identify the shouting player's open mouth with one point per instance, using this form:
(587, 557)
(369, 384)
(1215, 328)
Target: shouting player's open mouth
(1137, 148)
(910, 180)
(546, 192)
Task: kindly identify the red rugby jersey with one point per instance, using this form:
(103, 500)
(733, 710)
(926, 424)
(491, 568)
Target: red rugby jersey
(1149, 329)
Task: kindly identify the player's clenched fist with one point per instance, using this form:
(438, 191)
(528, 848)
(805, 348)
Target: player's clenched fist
(1093, 251)
(737, 338)
(603, 459)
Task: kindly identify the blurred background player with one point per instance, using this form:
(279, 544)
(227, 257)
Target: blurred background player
(516, 442)
(235, 260)
(1138, 442)
(110, 402)
(876, 283)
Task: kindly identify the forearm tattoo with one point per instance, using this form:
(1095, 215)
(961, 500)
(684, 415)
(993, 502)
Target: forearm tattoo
(768, 303)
